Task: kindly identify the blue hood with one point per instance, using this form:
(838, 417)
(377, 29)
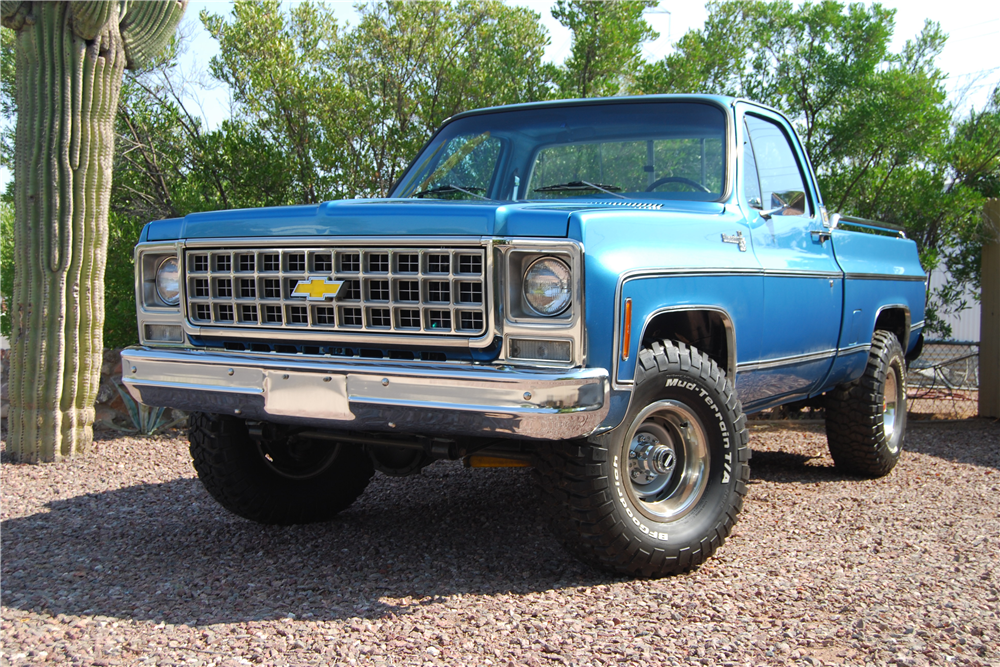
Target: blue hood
(393, 217)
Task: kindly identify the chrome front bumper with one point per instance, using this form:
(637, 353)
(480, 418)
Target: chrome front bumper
(438, 400)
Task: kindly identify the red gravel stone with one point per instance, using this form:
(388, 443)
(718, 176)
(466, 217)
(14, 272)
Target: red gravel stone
(121, 558)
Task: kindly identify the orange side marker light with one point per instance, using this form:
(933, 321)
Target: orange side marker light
(627, 329)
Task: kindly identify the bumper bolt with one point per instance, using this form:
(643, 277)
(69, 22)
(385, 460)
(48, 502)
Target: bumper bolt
(231, 371)
(133, 369)
(385, 382)
(527, 395)
(327, 378)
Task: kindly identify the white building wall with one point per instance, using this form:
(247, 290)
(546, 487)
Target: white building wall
(965, 323)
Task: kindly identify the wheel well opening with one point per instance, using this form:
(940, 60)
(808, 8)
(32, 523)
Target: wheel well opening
(895, 321)
(703, 329)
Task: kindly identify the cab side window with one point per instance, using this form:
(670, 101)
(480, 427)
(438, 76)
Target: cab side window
(781, 183)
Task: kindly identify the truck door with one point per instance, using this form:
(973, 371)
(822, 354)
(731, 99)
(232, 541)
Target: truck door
(803, 285)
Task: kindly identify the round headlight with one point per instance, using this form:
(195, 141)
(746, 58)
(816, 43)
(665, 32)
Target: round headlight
(547, 286)
(168, 281)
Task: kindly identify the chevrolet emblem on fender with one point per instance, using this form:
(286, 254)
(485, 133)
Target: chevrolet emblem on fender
(317, 289)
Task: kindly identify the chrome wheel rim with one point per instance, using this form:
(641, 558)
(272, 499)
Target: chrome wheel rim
(665, 461)
(893, 408)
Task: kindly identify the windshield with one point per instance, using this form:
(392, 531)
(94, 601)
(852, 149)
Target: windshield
(649, 150)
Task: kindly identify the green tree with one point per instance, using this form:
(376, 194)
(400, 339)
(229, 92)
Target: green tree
(973, 157)
(167, 165)
(876, 124)
(408, 66)
(68, 70)
(606, 55)
(346, 109)
(278, 66)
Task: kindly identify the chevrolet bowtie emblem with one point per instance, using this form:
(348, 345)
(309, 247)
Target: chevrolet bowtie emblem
(317, 289)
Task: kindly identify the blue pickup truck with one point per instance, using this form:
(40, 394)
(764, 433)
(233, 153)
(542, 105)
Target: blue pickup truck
(600, 288)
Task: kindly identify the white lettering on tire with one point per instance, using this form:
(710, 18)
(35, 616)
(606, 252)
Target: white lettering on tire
(656, 535)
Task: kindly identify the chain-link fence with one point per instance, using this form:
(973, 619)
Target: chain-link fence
(944, 382)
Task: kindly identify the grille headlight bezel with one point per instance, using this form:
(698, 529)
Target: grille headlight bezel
(547, 286)
(168, 280)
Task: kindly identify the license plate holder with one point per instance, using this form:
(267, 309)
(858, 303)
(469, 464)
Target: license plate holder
(311, 395)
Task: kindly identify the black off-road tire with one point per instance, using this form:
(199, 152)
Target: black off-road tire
(236, 473)
(864, 427)
(596, 508)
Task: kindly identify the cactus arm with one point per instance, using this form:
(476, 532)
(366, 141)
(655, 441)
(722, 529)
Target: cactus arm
(88, 18)
(146, 27)
(14, 14)
(92, 278)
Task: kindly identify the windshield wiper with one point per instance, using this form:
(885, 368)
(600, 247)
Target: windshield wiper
(582, 185)
(448, 187)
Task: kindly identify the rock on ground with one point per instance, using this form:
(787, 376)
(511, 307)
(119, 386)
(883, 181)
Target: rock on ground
(122, 558)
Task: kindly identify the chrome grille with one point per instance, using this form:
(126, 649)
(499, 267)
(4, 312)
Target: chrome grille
(384, 290)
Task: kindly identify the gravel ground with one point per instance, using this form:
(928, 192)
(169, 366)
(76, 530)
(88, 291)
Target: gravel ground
(122, 558)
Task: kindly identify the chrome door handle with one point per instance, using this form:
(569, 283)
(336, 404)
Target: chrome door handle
(821, 236)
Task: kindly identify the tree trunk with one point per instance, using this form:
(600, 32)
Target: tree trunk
(67, 95)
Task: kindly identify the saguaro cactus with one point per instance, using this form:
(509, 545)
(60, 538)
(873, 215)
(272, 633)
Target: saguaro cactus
(70, 58)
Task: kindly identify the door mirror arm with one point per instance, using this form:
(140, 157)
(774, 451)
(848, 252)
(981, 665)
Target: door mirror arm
(773, 211)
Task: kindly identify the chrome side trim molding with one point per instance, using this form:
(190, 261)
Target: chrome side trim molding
(635, 274)
(786, 273)
(727, 322)
(687, 271)
(789, 273)
(617, 342)
(883, 276)
(865, 223)
(916, 325)
(786, 361)
(851, 349)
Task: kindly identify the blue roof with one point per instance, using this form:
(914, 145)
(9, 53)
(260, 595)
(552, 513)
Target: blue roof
(720, 100)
